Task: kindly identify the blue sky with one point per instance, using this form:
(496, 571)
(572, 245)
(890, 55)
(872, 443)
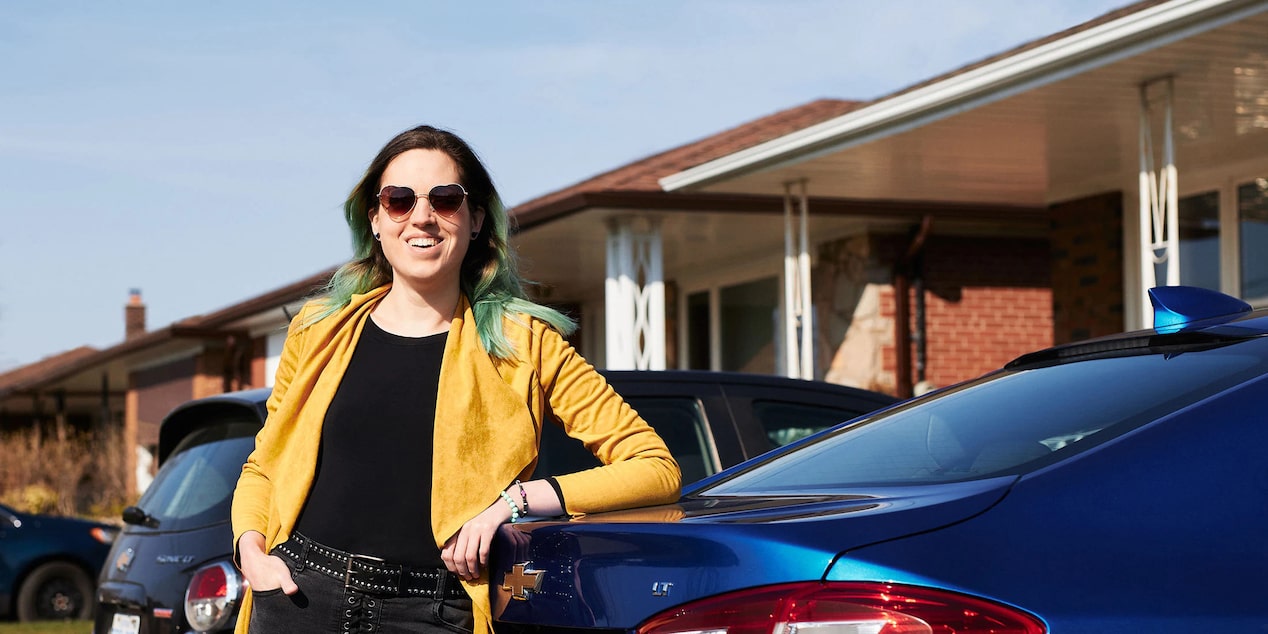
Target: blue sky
(200, 151)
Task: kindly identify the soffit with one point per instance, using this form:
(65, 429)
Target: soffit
(1070, 136)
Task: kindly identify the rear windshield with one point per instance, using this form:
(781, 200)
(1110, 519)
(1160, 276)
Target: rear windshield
(195, 485)
(1009, 422)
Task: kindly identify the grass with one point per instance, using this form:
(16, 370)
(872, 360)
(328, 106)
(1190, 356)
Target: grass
(47, 627)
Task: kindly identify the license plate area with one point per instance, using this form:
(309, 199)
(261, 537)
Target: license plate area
(125, 624)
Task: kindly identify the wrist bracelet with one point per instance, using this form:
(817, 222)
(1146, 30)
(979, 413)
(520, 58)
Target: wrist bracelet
(515, 510)
(523, 495)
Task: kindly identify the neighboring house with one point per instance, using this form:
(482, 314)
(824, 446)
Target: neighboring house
(131, 386)
(914, 240)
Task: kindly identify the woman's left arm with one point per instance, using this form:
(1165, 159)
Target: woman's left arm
(637, 470)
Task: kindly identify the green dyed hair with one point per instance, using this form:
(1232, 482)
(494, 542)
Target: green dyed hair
(489, 276)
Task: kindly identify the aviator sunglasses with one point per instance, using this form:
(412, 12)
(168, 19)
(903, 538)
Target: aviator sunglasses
(398, 200)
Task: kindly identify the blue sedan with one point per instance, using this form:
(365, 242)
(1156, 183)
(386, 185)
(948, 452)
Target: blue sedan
(48, 565)
(1113, 485)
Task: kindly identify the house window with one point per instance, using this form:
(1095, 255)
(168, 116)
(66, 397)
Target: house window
(1224, 240)
(1199, 216)
(1252, 213)
(734, 327)
(750, 323)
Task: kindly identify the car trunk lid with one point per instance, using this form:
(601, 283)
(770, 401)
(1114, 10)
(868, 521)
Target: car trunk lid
(612, 570)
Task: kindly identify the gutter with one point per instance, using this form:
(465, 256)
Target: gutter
(1080, 52)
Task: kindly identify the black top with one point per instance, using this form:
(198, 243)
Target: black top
(372, 491)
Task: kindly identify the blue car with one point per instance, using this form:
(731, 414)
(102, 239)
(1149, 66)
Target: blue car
(1112, 485)
(48, 565)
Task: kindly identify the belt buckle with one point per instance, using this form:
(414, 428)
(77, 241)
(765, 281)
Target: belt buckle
(382, 578)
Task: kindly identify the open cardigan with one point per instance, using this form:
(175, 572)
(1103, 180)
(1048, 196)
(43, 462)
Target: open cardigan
(489, 416)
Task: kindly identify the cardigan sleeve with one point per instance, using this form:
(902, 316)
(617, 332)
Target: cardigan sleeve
(637, 470)
(253, 496)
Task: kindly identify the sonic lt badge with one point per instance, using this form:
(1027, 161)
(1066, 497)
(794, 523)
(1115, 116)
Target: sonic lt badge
(520, 581)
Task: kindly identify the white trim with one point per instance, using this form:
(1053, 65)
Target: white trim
(1095, 47)
(791, 350)
(805, 307)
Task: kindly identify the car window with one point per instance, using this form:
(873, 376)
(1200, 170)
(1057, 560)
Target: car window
(680, 422)
(786, 422)
(1009, 422)
(195, 486)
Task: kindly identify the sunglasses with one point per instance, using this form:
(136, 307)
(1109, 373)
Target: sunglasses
(398, 200)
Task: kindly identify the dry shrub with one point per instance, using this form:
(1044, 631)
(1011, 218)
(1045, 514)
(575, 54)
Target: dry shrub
(79, 473)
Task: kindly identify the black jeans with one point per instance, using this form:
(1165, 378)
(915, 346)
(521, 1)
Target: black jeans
(324, 604)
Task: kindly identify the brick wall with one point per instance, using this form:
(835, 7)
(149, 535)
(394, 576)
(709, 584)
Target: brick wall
(158, 390)
(987, 300)
(1087, 267)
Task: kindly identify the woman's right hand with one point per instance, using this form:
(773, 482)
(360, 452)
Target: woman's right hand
(263, 571)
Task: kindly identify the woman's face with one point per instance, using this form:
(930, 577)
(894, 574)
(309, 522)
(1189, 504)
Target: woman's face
(424, 248)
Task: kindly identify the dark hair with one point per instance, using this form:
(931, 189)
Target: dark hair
(489, 277)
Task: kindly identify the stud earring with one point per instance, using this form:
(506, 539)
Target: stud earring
(376, 236)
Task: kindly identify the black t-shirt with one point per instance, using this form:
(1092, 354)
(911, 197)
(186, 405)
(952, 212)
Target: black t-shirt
(372, 491)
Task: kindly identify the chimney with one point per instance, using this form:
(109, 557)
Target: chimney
(134, 315)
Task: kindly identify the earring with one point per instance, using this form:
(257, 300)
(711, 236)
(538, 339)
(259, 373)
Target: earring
(376, 236)
(475, 234)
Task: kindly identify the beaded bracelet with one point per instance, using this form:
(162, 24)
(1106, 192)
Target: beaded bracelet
(515, 510)
(523, 495)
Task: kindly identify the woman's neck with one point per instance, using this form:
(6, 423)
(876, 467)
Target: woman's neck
(408, 313)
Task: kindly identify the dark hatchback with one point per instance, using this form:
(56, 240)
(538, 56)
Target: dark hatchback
(48, 564)
(170, 571)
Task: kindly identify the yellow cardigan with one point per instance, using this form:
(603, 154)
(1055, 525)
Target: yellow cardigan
(489, 415)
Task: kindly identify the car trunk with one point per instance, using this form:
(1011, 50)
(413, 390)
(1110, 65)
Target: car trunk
(613, 570)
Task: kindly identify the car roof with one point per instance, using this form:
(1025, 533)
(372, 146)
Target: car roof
(1197, 328)
(188, 416)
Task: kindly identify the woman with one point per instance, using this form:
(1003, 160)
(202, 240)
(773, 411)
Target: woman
(406, 412)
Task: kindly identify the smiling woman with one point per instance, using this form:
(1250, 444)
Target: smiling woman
(424, 352)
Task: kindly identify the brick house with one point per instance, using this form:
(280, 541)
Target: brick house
(132, 385)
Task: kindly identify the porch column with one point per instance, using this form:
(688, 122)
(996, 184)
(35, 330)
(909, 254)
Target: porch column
(798, 310)
(635, 295)
(1159, 196)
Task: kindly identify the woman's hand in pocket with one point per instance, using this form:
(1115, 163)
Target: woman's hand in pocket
(263, 571)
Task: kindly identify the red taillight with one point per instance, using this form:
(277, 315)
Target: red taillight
(212, 596)
(843, 607)
(208, 583)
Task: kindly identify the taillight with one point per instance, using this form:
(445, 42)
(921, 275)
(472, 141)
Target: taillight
(212, 596)
(843, 608)
(103, 535)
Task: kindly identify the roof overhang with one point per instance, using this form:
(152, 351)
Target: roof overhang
(1078, 53)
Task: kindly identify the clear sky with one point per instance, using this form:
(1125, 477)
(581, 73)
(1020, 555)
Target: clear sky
(200, 151)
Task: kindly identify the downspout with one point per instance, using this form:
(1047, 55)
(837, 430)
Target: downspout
(903, 269)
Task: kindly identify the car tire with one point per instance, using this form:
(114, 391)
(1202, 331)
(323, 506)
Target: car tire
(55, 591)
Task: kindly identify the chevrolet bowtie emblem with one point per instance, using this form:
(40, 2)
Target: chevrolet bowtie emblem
(520, 581)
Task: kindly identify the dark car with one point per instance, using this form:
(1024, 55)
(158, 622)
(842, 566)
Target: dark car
(48, 565)
(1113, 485)
(170, 569)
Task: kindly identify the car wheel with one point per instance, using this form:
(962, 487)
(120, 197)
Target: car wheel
(55, 590)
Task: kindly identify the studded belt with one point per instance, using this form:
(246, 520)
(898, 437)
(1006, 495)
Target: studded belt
(372, 575)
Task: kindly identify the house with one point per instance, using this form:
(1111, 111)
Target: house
(932, 234)
(132, 385)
